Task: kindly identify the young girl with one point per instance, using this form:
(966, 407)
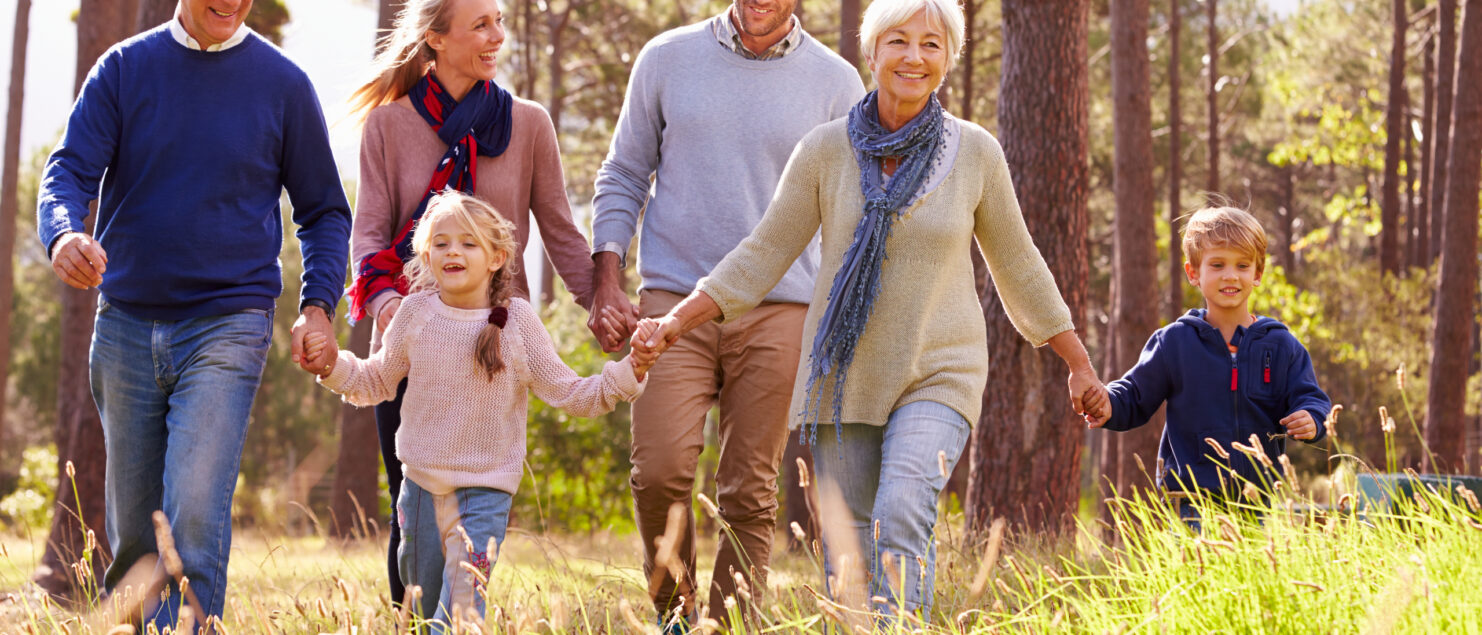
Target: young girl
(470, 354)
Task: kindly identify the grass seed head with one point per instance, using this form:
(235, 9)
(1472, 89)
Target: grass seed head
(1218, 449)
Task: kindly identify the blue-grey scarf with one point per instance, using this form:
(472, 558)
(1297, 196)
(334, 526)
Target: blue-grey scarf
(852, 295)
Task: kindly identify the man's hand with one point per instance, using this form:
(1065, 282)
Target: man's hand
(1299, 425)
(388, 311)
(613, 325)
(321, 352)
(311, 319)
(79, 260)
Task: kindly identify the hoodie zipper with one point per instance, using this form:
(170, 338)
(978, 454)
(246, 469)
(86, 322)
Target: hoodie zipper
(1266, 370)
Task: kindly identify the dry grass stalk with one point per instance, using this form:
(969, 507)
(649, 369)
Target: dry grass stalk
(802, 473)
(1219, 450)
(1309, 585)
(1331, 422)
(666, 558)
(990, 558)
(942, 463)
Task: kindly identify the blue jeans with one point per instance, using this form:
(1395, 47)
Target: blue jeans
(174, 398)
(433, 550)
(892, 475)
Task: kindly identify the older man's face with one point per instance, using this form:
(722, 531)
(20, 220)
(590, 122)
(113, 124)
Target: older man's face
(763, 18)
(212, 22)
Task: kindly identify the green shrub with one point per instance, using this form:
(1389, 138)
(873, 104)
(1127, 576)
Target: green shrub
(30, 504)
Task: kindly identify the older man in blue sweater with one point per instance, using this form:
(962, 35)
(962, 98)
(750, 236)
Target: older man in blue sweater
(186, 135)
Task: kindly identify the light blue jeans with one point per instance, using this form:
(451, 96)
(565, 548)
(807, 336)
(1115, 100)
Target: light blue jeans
(892, 475)
(174, 398)
(432, 549)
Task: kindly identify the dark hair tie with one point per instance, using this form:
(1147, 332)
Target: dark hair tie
(498, 316)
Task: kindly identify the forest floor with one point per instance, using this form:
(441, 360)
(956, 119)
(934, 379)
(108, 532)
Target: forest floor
(1289, 570)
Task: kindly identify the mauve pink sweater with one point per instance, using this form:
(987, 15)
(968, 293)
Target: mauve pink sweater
(398, 152)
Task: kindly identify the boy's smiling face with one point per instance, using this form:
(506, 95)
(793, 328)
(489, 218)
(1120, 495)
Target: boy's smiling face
(1225, 277)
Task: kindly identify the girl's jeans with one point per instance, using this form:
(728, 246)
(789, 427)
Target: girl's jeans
(433, 550)
(174, 397)
(889, 478)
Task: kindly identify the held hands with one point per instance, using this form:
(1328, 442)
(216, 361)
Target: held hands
(1300, 425)
(312, 320)
(612, 317)
(1089, 398)
(641, 356)
(320, 353)
(79, 260)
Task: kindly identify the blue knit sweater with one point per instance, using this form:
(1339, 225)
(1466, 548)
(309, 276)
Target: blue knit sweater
(1188, 365)
(187, 153)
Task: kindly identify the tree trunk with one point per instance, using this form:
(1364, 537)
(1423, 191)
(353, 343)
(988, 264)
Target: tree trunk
(1213, 183)
(969, 50)
(1421, 255)
(1026, 451)
(1441, 132)
(1389, 205)
(355, 500)
(153, 13)
(79, 500)
(849, 31)
(1134, 245)
(9, 206)
(1445, 422)
(1175, 169)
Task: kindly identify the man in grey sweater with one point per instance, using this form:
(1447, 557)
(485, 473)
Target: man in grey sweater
(712, 113)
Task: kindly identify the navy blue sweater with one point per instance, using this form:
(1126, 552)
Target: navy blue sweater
(190, 151)
(1188, 365)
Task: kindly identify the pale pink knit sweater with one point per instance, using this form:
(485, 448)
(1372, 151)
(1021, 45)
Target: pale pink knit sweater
(459, 429)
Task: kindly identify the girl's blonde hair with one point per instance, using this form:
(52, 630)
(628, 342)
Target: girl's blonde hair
(494, 234)
(404, 55)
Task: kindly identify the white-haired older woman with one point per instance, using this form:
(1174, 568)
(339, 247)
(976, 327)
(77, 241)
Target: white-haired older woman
(899, 360)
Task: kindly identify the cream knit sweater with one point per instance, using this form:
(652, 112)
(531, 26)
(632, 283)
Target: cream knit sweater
(457, 428)
(926, 340)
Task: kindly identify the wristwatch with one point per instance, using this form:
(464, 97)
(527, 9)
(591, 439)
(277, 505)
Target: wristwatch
(325, 306)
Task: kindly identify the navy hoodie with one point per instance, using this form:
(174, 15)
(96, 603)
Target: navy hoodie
(1188, 365)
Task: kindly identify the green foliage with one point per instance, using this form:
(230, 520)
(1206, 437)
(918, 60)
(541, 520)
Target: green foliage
(267, 17)
(35, 314)
(30, 504)
(577, 477)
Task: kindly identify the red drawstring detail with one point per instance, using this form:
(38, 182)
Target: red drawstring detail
(1268, 375)
(1234, 378)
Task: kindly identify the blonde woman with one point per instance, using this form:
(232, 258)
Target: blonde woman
(435, 119)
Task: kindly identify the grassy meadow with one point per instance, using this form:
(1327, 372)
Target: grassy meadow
(1350, 567)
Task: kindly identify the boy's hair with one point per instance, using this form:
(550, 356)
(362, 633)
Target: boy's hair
(494, 234)
(1227, 227)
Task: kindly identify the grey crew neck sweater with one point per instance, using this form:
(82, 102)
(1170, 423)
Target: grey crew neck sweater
(714, 131)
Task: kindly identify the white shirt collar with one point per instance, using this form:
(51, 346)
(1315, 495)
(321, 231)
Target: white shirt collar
(185, 40)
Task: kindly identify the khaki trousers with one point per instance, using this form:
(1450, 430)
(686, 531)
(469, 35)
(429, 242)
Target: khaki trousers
(747, 367)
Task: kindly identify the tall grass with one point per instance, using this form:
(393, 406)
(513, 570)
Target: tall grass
(1291, 568)
(1292, 563)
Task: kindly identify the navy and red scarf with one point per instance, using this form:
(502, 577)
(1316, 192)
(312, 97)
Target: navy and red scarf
(478, 125)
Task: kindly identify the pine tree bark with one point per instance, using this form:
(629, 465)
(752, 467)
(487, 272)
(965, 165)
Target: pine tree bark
(849, 31)
(79, 501)
(1445, 425)
(1212, 185)
(1175, 303)
(1389, 205)
(356, 496)
(1134, 246)
(1421, 256)
(1026, 448)
(10, 204)
(1441, 126)
(969, 55)
(153, 13)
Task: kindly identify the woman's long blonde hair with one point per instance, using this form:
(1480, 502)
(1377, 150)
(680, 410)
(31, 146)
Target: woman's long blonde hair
(404, 55)
(494, 234)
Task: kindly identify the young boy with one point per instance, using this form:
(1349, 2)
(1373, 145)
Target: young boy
(1225, 374)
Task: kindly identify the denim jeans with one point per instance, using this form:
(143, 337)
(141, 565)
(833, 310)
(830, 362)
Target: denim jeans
(174, 398)
(891, 475)
(433, 550)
